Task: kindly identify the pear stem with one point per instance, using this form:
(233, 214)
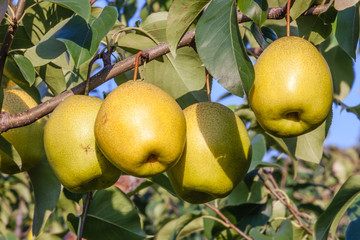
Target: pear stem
(288, 18)
(208, 91)
(84, 214)
(137, 63)
(87, 86)
(227, 221)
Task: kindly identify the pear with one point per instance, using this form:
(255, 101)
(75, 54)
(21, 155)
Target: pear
(292, 92)
(71, 149)
(27, 140)
(141, 129)
(217, 154)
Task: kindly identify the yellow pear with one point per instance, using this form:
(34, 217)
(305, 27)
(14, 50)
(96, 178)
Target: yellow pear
(71, 149)
(141, 129)
(217, 154)
(292, 92)
(27, 140)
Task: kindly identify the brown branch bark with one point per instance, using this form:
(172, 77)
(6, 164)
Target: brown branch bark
(290, 207)
(9, 36)
(8, 121)
(227, 221)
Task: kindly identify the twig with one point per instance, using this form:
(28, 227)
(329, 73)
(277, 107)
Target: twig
(8, 121)
(9, 37)
(287, 204)
(87, 85)
(84, 214)
(318, 9)
(227, 221)
(272, 180)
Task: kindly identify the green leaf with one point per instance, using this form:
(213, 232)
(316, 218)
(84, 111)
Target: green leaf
(83, 39)
(142, 186)
(111, 215)
(341, 66)
(221, 48)
(285, 231)
(256, 235)
(258, 36)
(313, 29)
(39, 54)
(181, 15)
(254, 9)
(26, 68)
(46, 190)
(180, 227)
(129, 10)
(3, 8)
(10, 151)
(182, 77)
(258, 150)
(329, 16)
(155, 26)
(355, 110)
(76, 197)
(12, 72)
(329, 220)
(41, 18)
(53, 77)
(288, 147)
(309, 146)
(81, 7)
(164, 182)
(21, 38)
(48, 236)
(299, 7)
(347, 30)
(353, 230)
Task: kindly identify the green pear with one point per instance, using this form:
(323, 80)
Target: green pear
(141, 129)
(292, 92)
(27, 140)
(217, 154)
(71, 149)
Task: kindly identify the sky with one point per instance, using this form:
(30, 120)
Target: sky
(345, 128)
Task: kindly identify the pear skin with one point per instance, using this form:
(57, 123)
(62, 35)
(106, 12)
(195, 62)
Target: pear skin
(27, 140)
(217, 154)
(292, 92)
(71, 149)
(141, 129)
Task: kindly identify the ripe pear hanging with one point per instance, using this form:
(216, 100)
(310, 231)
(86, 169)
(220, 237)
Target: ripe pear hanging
(292, 92)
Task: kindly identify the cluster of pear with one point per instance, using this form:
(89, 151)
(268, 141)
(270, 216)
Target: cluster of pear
(205, 149)
(140, 130)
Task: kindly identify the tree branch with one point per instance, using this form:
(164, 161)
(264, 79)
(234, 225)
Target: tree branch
(227, 221)
(289, 206)
(9, 37)
(8, 121)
